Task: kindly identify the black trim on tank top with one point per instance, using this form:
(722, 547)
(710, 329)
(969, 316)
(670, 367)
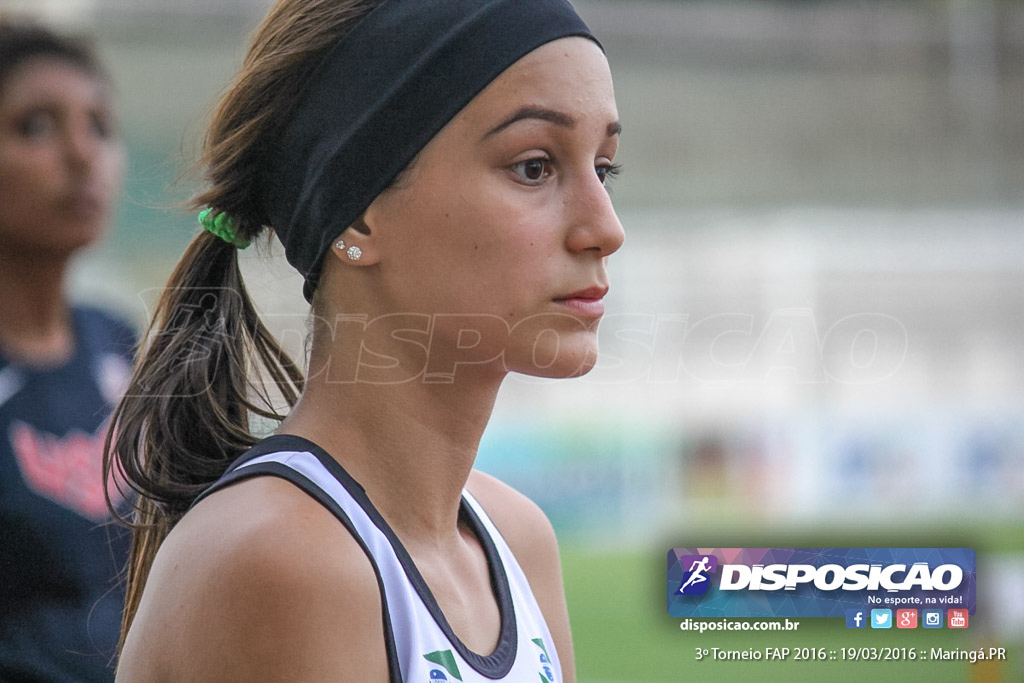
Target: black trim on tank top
(495, 665)
(281, 470)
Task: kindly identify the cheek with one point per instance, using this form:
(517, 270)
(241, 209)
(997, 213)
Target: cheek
(24, 181)
(505, 227)
(110, 166)
(30, 163)
(462, 242)
(517, 246)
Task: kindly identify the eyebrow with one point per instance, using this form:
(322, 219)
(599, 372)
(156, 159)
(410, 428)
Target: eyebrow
(552, 116)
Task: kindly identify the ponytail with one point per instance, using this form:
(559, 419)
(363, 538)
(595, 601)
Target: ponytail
(208, 359)
(185, 416)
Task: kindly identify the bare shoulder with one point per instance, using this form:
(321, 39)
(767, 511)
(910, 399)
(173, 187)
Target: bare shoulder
(257, 582)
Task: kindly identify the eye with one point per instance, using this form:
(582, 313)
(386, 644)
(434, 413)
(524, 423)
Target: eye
(533, 171)
(37, 124)
(102, 125)
(606, 172)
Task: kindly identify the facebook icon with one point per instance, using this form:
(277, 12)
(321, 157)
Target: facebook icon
(855, 618)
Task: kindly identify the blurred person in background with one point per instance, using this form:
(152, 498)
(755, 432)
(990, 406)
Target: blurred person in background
(62, 366)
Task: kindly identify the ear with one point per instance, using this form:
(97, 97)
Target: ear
(356, 246)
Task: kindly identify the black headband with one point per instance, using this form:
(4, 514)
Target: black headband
(379, 96)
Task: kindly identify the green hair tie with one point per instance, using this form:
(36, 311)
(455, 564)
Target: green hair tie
(223, 226)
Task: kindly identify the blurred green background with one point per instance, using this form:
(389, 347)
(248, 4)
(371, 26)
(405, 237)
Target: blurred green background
(813, 334)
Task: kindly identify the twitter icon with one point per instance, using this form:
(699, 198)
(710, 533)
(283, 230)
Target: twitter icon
(881, 618)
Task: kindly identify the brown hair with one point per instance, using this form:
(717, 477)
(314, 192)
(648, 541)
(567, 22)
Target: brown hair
(185, 416)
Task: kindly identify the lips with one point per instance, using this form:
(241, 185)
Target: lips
(589, 294)
(587, 302)
(82, 205)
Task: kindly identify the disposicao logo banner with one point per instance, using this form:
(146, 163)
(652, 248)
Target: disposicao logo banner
(817, 582)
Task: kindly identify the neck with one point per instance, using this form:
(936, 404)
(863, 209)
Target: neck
(34, 323)
(411, 445)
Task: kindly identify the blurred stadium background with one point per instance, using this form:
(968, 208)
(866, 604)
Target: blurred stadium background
(814, 330)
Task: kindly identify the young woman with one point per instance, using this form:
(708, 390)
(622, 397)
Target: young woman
(436, 171)
(62, 367)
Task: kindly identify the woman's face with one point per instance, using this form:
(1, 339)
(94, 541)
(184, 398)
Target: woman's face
(504, 220)
(61, 159)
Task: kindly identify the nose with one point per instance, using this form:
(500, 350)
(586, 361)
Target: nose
(594, 227)
(80, 147)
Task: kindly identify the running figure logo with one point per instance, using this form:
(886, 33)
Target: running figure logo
(695, 580)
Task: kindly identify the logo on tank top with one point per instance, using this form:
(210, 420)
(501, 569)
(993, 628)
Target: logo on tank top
(547, 673)
(446, 660)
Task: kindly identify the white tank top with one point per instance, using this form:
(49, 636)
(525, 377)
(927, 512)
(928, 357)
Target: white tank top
(421, 647)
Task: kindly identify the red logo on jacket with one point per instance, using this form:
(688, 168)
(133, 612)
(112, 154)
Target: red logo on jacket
(67, 470)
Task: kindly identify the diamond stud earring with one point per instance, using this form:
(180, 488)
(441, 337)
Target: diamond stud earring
(340, 244)
(354, 253)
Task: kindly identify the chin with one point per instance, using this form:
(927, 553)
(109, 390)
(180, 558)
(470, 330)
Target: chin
(71, 237)
(557, 358)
